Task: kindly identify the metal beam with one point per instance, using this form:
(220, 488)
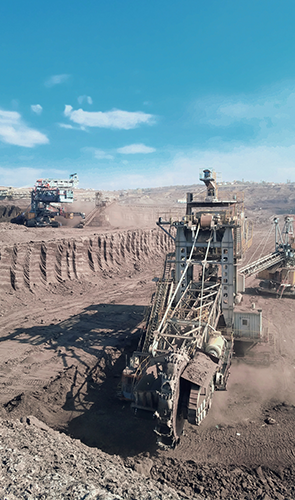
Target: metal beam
(261, 264)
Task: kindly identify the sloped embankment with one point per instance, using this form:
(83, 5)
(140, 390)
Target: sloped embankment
(38, 462)
(9, 212)
(40, 263)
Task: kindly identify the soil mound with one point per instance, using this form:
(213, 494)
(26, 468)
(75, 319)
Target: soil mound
(39, 463)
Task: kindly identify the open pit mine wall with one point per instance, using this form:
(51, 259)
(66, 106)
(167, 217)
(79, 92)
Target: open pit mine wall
(39, 263)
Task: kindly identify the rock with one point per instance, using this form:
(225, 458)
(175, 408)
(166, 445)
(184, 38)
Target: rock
(260, 474)
(144, 467)
(223, 493)
(51, 465)
(265, 496)
(31, 420)
(270, 421)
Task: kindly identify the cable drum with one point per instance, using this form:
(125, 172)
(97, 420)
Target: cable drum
(215, 346)
(206, 220)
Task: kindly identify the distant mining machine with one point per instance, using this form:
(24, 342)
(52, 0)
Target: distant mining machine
(276, 271)
(186, 349)
(47, 199)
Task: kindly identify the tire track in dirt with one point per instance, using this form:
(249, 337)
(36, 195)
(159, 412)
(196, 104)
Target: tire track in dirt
(7, 265)
(43, 259)
(26, 267)
(36, 259)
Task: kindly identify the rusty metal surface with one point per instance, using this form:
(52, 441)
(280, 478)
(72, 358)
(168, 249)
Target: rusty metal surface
(200, 370)
(206, 220)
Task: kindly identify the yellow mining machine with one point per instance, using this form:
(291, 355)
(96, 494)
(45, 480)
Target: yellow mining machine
(186, 348)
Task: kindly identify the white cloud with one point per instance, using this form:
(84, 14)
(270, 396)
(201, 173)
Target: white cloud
(255, 163)
(56, 80)
(26, 176)
(99, 154)
(14, 131)
(115, 119)
(83, 98)
(66, 125)
(273, 164)
(261, 163)
(19, 177)
(135, 149)
(269, 114)
(70, 127)
(36, 108)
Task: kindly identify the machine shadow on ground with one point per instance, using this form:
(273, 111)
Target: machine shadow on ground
(93, 347)
(108, 421)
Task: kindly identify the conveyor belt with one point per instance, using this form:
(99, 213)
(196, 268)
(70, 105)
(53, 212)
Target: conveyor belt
(261, 264)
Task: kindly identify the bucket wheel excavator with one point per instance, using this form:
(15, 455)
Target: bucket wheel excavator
(276, 271)
(187, 345)
(278, 279)
(47, 200)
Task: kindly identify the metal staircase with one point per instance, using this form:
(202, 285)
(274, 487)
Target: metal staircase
(158, 307)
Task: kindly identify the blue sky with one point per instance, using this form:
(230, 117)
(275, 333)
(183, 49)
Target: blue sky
(144, 93)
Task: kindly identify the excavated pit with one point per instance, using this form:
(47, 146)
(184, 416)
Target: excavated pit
(71, 308)
(74, 364)
(83, 399)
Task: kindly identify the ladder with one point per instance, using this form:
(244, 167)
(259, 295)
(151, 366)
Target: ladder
(159, 303)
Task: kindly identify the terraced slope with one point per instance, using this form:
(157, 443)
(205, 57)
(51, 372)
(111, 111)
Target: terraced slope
(39, 263)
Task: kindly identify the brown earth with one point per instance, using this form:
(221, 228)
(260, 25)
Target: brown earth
(71, 307)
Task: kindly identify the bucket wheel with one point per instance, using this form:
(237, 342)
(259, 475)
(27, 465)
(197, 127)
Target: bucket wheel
(172, 402)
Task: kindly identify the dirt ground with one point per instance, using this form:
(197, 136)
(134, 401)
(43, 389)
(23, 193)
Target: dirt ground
(71, 307)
